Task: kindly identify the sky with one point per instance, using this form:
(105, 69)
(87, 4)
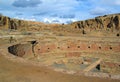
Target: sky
(58, 11)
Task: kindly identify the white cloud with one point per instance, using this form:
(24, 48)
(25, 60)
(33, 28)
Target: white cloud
(58, 10)
(111, 2)
(23, 18)
(57, 20)
(99, 11)
(117, 2)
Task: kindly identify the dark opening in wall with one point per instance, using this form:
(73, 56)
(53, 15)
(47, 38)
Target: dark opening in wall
(109, 75)
(99, 47)
(38, 49)
(58, 47)
(78, 46)
(110, 48)
(68, 47)
(88, 46)
(17, 50)
(48, 48)
(12, 50)
(34, 42)
(118, 35)
(75, 26)
(98, 67)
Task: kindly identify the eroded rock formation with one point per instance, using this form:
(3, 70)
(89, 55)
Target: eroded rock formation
(102, 22)
(106, 22)
(8, 23)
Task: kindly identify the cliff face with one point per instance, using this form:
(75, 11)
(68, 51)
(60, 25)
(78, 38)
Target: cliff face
(16, 24)
(8, 23)
(106, 22)
(102, 22)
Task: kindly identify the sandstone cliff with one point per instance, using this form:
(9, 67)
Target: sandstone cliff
(16, 24)
(105, 22)
(8, 23)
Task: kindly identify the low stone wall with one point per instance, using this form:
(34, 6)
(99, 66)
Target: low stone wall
(72, 48)
(91, 74)
(23, 50)
(110, 67)
(77, 46)
(81, 73)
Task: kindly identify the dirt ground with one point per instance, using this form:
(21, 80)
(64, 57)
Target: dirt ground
(21, 72)
(18, 72)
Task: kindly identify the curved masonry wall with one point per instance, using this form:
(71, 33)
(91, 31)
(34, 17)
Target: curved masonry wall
(72, 48)
(75, 49)
(9, 56)
(77, 46)
(21, 50)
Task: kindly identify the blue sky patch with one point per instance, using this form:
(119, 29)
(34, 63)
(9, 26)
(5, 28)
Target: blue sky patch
(58, 11)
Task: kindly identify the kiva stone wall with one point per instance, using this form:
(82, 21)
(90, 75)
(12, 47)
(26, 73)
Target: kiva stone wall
(79, 46)
(21, 50)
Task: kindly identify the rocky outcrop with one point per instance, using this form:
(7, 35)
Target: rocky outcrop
(8, 23)
(102, 22)
(106, 22)
(16, 24)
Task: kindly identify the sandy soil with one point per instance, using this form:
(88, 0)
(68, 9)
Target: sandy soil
(17, 72)
(21, 72)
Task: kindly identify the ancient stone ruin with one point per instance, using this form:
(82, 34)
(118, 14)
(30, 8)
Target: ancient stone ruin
(90, 47)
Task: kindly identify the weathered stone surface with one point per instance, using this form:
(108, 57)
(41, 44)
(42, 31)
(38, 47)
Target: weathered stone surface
(21, 50)
(102, 22)
(8, 23)
(106, 22)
